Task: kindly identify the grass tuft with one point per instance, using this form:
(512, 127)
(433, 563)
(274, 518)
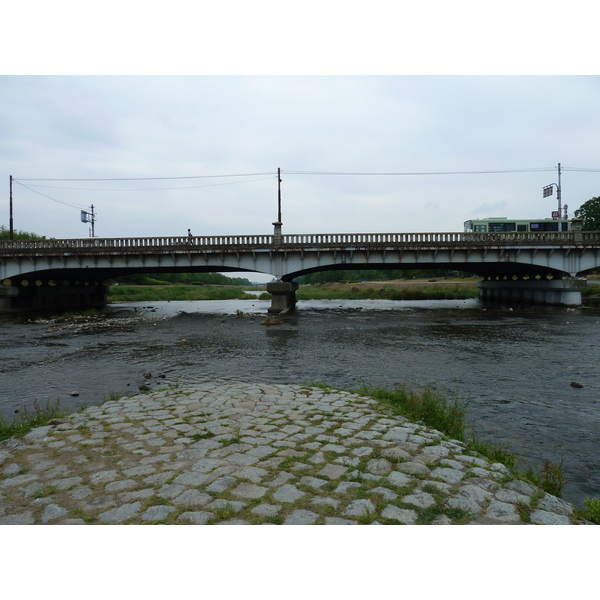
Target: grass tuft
(29, 419)
(428, 407)
(591, 510)
(549, 478)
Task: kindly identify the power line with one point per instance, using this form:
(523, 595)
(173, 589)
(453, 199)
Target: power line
(49, 198)
(581, 169)
(142, 178)
(144, 189)
(532, 170)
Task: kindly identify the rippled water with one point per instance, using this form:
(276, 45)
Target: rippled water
(514, 367)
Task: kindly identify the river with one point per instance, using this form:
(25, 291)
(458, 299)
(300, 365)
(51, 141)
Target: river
(514, 367)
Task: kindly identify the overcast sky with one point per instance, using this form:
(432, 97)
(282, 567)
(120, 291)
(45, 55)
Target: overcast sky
(225, 136)
(206, 148)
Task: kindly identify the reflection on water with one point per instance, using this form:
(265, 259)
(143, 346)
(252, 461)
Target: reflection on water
(514, 367)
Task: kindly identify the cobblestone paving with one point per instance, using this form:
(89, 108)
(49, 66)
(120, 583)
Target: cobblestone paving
(256, 454)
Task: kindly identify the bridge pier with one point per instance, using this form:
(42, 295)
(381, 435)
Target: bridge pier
(283, 296)
(559, 292)
(35, 295)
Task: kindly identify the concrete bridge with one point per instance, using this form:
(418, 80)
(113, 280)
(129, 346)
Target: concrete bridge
(522, 267)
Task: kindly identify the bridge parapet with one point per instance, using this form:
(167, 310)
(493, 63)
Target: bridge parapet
(295, 241)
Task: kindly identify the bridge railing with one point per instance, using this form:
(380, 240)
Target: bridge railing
(226, 241)
(293, 241)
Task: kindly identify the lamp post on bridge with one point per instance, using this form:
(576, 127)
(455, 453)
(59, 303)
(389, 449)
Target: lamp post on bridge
(10, 216)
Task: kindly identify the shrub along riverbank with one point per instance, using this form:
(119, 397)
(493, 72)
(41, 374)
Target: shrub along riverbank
(401, 290)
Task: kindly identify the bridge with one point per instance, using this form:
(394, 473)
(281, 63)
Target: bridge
(532, 267)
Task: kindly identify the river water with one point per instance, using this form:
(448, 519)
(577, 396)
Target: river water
(514, 367)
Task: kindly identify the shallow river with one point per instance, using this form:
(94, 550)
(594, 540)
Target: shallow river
(514, 367)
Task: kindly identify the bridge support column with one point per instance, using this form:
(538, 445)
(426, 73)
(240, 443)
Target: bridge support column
(283, 296)
(560, 292)
(7, 295)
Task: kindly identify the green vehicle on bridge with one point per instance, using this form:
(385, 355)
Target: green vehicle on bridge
(502, 225)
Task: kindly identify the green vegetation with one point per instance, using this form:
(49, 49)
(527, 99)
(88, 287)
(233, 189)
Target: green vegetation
(29, 419)
(350, 276)
(19, 234)
(590, 213)
(442, 291)
(591, 510)
(590, 296)
(175, 292)
(181, 279)
(428, 407)
(433, 410)
(549, 478)
(202, 436)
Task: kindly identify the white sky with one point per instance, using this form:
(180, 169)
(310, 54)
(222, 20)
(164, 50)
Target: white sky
(245, 88)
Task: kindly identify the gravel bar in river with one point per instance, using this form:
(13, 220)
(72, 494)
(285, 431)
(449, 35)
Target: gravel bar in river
(229, 453)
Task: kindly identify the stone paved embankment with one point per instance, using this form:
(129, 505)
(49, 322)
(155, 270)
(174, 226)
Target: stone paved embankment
(256, 454)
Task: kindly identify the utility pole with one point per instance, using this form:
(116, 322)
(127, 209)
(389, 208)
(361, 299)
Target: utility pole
(89, 217)
(547, 191)
(558, 195)
(93, 220)
(10, 224)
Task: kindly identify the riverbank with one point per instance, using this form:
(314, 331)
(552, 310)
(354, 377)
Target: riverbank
(155, 293)
(403, 289)
(256, 454)
(409, 289)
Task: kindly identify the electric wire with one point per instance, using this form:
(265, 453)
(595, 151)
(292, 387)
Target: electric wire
(187, 187)
(141, 178)
(49, 198)
(270, 174)
(532, 170)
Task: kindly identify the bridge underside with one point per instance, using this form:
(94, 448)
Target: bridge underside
(74, 289)
(80, 279)
(66, 289)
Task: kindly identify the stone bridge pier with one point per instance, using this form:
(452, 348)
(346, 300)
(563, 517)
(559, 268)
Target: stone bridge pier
(283, 296)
